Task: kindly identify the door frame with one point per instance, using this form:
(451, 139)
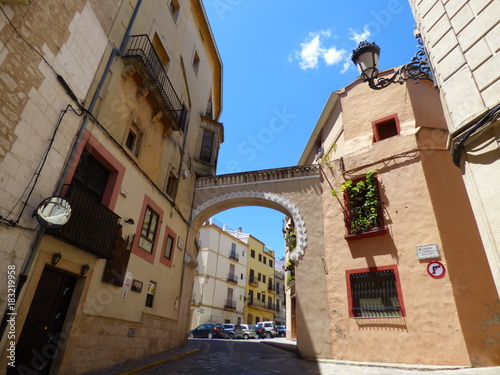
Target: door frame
(74, 313)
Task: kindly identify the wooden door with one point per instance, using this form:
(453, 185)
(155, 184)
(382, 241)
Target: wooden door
(37, 344)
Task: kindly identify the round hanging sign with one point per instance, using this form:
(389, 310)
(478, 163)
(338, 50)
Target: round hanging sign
(436, 269)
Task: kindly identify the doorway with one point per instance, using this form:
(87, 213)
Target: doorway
(38, 342)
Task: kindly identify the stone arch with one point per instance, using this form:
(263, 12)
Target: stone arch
(254, 198)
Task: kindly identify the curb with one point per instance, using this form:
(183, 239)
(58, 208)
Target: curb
(137, 370)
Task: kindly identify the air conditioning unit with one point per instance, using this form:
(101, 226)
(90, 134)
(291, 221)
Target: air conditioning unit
(16, 2)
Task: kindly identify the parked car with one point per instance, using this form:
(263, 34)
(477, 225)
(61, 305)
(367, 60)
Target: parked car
(269, 331)
(208, 330)
(229, 328)
(241, 331)
(249, 329)
(281, 331)
(260, 332)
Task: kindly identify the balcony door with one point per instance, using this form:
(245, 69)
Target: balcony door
(91, 176)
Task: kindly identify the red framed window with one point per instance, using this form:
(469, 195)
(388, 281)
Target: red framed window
(167, 258)
(386, 127)
(146, 238)
(374, 292)
(149, 229)
(363, 207)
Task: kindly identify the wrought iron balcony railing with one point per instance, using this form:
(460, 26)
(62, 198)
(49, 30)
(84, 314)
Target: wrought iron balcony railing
(140, 47)
(253, 280)
(92, 226)
(235, 256)
(231, 277)
(230, 304)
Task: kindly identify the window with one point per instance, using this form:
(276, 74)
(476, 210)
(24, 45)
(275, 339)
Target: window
(252, 254)
(374, 293)
(258, 296)
(363, 206)
(161, 53)
(91, 176)
(174, 9)
(171, 183)
(264, 260)
(207, 146)
(270, 263)
(263, 278)
(148, 231)
(196, 62)
(259, 277)
(260, 257)
(385, 128)
(150, 294)
(169, 247)
(133, 140)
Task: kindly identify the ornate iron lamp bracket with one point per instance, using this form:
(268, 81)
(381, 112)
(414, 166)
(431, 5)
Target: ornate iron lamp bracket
(417, 69)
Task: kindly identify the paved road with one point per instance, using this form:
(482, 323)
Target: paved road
(238, 357)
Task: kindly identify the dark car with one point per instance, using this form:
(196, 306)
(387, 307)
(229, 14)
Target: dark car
(208, 330)
(281, 331)
(260, 332)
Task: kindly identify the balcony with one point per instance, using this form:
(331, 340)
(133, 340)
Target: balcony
(231, 277)
(234, 256)
(230, 305)
(271, 288)
(253, 281)
(143, 55)
(257, 304)
(92, 226)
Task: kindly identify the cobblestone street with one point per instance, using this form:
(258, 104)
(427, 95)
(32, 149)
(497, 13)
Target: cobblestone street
(262, 357)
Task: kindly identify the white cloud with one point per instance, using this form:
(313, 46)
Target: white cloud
(345, 66)
(360, 37)
(313, 49)
(333, 56)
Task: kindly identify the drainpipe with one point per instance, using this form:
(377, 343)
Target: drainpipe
(23, 276)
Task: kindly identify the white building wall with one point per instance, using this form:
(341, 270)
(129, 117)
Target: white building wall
(462, 38)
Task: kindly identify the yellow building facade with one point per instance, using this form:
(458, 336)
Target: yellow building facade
(261, 287)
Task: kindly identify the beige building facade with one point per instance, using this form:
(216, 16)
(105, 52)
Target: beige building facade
(406, 274)
(220, 287)
(130, 92)
(462, 40)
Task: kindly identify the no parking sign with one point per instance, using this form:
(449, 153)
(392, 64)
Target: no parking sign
(436, 269)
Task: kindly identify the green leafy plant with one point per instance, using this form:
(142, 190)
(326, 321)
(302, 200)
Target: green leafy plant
(362, 200)
(289, 279)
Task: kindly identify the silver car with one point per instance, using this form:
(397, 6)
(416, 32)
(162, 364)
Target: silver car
(241, 331)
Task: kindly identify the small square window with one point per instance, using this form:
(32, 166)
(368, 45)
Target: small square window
(171, 183)
(174, 8)
(385, 128)
(150, 294)
(196, 62)
(133, 138)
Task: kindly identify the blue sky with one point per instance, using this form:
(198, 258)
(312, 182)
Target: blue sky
(281, 60)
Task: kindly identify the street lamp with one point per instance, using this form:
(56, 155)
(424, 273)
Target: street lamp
(366, 55)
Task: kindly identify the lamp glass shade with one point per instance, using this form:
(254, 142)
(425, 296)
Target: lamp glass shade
(365, 57)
